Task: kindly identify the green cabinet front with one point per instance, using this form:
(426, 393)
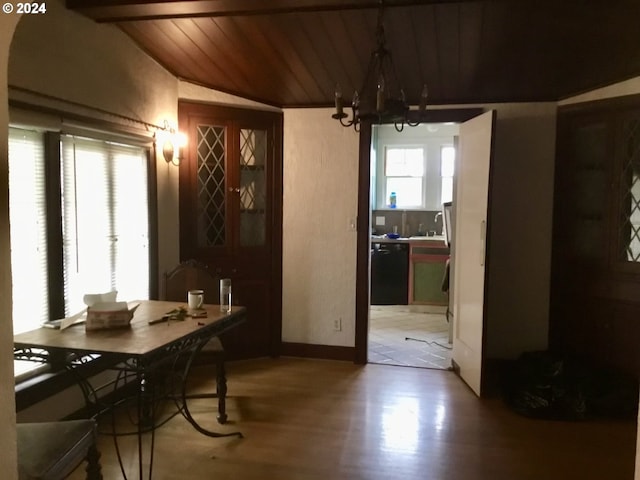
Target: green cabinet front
(427, 282)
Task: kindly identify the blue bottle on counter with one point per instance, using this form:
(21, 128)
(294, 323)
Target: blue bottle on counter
(392, 200)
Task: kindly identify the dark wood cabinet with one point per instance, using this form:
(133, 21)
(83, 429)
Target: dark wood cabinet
(595, 283)
(231, 213)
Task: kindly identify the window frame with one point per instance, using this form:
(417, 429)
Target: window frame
(431, 179)
(381, 187)
(442, 177)
(35, 119)
(423, 178)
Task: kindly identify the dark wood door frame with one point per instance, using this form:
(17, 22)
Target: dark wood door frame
(364, 222)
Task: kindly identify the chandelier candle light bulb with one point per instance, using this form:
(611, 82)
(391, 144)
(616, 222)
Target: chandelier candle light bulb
(380, 95)
(338, 96)
(423, 98)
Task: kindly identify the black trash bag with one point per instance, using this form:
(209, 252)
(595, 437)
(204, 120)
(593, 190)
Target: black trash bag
(612, 394)
(543, 385)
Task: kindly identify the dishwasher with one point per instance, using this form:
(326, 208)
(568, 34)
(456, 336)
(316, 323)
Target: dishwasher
(389, 273)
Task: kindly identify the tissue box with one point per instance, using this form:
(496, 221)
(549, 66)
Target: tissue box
(105, 316)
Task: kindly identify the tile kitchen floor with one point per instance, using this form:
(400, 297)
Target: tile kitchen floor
(399, 336)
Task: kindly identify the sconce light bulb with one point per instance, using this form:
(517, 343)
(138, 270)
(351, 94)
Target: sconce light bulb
(180, 139)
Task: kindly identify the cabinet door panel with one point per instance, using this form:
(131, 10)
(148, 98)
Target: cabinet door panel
(595, 280)
(211, 177)
(231, 213)
(427, 282)
(253, 187)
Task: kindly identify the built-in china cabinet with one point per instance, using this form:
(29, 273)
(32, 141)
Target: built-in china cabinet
(231, 213)
(595, 285)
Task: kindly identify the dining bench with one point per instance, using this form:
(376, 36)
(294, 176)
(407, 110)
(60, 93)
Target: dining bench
(52, 450)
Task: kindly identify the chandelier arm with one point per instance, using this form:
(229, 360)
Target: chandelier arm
(348, 123)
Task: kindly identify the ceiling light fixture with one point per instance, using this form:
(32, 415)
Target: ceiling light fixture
(381, 98)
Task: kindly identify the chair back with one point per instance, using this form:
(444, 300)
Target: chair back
(190, 275)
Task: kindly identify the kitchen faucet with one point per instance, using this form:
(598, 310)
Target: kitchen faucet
(435, 219)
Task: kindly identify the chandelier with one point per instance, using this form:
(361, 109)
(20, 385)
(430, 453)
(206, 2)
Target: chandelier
(381, 98)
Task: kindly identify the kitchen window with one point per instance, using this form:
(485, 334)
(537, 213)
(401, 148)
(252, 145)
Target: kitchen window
(417, 164)
(447, 166)
(404, 169)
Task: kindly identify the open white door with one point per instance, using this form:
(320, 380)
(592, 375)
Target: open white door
(468, 251)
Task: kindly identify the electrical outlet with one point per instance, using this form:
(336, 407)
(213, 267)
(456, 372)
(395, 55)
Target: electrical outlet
(337, 325)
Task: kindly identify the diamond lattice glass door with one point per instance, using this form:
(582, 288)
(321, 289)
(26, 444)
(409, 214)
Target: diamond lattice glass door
(253, 187)
(630, 193)
(211, 181)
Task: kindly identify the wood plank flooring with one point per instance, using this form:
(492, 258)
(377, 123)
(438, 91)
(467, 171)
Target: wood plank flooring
(319, 420)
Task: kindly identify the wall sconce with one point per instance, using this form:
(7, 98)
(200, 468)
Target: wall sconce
(172, 142)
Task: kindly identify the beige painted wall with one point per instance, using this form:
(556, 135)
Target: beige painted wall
(190, 91)
(8, 463)
(67, 56)
(320, 198)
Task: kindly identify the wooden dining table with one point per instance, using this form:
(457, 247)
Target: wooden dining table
(153, 339)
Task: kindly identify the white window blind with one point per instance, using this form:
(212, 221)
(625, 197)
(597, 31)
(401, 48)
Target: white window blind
(105, 220)
(27, 218)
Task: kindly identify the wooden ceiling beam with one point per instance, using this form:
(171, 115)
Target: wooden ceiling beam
(111, 11)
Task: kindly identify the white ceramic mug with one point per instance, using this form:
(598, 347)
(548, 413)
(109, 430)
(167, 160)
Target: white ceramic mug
(195, 299)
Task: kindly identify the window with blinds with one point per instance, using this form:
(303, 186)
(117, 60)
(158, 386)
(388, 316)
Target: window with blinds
(102, 198)
(105, 220)
(27, 220)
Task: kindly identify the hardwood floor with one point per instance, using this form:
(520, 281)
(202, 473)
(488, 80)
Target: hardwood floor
(318, 420)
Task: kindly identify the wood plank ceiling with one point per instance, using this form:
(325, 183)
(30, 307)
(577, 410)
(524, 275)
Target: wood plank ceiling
(292, 53)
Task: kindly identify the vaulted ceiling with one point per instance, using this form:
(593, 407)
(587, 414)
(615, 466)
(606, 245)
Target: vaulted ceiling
(293, 53)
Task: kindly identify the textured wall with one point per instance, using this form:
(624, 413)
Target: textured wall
(190, 91)
(320, 198)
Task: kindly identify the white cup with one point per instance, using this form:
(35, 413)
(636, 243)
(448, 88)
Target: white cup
(225, 295)
(195, 299)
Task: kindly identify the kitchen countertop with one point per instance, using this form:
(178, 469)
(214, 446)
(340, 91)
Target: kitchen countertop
(422, 239)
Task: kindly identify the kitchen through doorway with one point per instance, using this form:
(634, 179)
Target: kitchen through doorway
(411, 179)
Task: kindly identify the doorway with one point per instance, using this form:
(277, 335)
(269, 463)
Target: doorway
(411, 177)
(365, 223)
